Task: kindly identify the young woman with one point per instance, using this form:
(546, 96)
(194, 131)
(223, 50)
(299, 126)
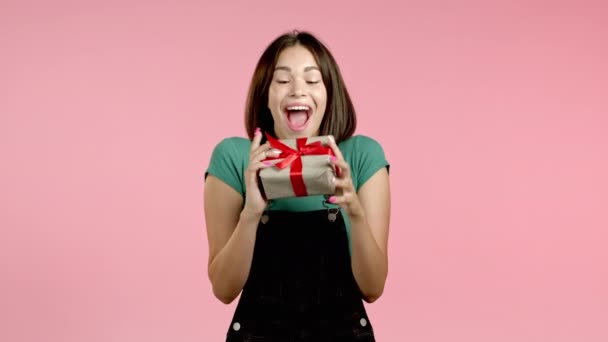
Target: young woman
(304, 264)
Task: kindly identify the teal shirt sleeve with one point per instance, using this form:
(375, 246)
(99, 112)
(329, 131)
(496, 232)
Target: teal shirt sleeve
(366, 158)
(227, 163)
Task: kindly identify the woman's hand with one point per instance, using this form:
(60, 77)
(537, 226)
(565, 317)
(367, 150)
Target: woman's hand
(254, 201)
(345, 194)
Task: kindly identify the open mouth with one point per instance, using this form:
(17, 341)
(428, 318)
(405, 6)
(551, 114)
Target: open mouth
(297, 116)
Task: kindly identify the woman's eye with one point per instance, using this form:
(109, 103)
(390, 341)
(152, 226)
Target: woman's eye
(312, 82)
(282, 81)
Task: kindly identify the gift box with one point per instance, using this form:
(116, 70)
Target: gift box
(302, 169)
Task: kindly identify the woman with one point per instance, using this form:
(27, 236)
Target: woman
(304, 264)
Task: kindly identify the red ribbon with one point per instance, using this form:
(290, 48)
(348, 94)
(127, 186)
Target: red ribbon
(293, 157)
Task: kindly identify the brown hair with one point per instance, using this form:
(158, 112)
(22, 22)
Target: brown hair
(339, 119)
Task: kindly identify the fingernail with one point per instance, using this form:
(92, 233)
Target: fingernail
(267, 163)
(332, 158)
(333, 179)
(257, 130)
(332, 199)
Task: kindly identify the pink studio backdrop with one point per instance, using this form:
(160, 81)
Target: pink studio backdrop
(494, 116)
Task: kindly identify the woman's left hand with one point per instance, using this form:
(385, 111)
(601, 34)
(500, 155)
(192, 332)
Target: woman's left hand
(345, 193)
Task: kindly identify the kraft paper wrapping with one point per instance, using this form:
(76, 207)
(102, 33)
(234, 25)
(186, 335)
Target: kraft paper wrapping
(317, 174)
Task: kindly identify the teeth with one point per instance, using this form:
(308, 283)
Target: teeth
(298, 108)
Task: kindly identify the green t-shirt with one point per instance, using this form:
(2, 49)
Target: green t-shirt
(230, 158)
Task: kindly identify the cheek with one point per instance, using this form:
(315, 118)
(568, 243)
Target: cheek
(274, 103)
(321, 98)
(271, 96)
(274, 97)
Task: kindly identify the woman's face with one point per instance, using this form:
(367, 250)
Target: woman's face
(297, 96)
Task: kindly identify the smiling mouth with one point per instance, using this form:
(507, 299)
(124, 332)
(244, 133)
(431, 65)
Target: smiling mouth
(297, 116)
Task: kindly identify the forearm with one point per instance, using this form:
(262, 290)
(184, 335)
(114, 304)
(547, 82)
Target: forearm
(230, 268)
(369, 262)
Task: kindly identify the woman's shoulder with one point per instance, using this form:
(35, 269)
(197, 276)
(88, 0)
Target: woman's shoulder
(360, 144)
(234, 147)
(230, 151)
(365, 156)
(228, 161)
(234, 142)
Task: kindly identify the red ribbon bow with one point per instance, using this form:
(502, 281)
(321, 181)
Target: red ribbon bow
(293, 157)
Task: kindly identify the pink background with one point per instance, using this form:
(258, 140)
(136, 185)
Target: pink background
(493, 115)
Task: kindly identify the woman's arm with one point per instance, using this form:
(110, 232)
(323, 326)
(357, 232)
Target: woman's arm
(232, 225)
(369, 236)
(231, 235)
(369, 214)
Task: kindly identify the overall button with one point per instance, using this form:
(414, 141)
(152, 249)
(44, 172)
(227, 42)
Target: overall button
(363, 322)
(236, 326)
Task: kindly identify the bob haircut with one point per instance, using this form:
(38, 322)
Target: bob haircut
(339, 119)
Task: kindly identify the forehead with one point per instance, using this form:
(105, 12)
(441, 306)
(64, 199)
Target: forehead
(296, 57)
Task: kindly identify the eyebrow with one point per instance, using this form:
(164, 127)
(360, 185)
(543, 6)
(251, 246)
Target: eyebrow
(286, 68)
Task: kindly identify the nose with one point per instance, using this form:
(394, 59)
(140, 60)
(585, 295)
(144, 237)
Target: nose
(297, 89)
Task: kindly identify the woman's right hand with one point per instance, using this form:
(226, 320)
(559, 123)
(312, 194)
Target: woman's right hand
(254, 202)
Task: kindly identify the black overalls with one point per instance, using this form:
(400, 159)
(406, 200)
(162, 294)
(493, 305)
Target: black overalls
(301, 286)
